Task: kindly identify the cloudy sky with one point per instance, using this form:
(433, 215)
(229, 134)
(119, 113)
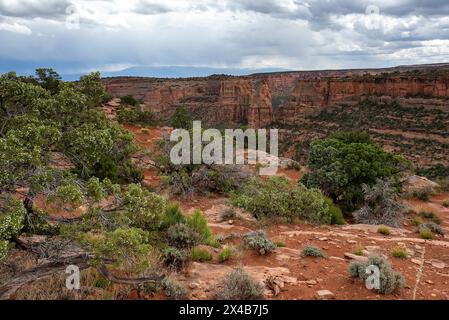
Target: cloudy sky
(77, 36)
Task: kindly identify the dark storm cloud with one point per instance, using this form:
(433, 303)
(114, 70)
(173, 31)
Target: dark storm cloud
(150, 8)
(33, 8)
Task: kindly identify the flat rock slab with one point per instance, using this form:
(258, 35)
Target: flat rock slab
(373, 229)
(355, 257)
(324, 295)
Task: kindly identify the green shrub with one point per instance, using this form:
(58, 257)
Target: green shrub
(399, 252)
(384, 230)
(417, 221)
(127, 246)
(312, 251)
(4, 248)
(390, 280)
(381, 205)
(175, 259)
(359, 251)
(225, 254)
(258, 241)
(340, 165)
(429, 215)
(336, 213)
(201, 255)
(145, 209)
(426, 234)
(228, 214)
(446, 203)
(12, 215)
(198, 223)
(423, 194)
(280, 244)
(277, 198)
(173, 289)
(134, 116)
(173, 215)
(183, 236)
(102, 282)
(239, 286)
(181, 119)
(433, 227)
(129, 100)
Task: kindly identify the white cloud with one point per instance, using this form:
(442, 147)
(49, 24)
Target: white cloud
(15, 27)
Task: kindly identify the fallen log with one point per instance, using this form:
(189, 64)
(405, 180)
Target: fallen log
(64, 256)
(42, 271)
(82, 261)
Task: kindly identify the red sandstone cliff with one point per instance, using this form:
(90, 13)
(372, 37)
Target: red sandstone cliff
(261, 98)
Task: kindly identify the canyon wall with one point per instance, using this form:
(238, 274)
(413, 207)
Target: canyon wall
(310, 97)
(261, 99)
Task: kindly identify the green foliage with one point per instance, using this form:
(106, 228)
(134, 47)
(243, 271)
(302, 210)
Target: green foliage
(90, 85)
(429, 215)
(381, 205)
(48, 79)
(173, 289)
(129, 100)
(69, 194)
(423, 194)
(175, 259)
(434, 172)
(198, 223)
(126, 246)
(359, 251)
(173, 215)
(417, 221)
(276, 197)
(340, 165)
(258, 241)
(335, 212)
(12, 215)
(95, 189)
(431, 226)
(145, 209)
(239, 286)
(102, 282)
(181, 119)
(280, 244)
(446, 203)
(201, 255)
(135, 116)
(399, 252)
(225, 254)
(36, 121)
(390, 280)
(384, 230)
(4, 248)
(183, 236)
(312, 251)
(229, 214)
(426, 234)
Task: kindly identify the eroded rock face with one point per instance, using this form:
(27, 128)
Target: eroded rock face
(215, 100)
(312, 96)
(260, 99)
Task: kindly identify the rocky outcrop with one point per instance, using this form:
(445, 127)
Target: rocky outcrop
(260, 113)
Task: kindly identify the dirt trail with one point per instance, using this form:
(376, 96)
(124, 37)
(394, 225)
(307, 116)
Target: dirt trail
(303, 277)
